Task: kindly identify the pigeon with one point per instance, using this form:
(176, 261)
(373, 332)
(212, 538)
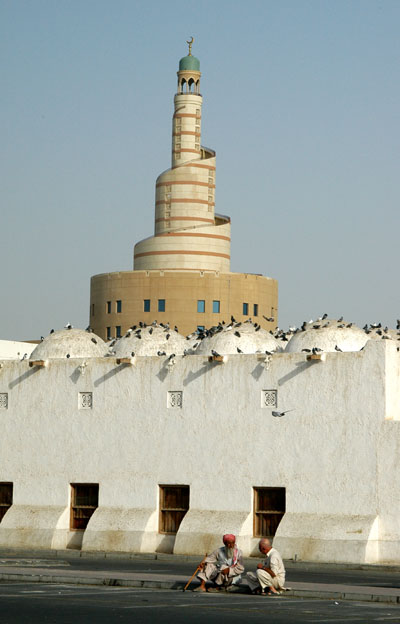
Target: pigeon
(269, 319)
(68, 355)
(239, 350)
(237, 334)
(171, 357)
(233, 320)
(340, 319)
(132, 354)
(52, 331)
(316, 350)
(68, 326)
(280, 414)
(161, 353)
(338, 349)
(167, 336)
(94, 340)
(89, 329)
(215, 353)
(324, 317)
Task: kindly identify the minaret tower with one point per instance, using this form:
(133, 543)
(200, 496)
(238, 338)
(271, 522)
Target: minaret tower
(182, 273)
(187, 233)
(186, 123)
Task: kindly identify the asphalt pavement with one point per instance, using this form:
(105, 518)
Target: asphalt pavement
(171, 572)
(41, 603)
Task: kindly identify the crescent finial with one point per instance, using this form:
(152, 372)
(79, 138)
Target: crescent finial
(190, 45)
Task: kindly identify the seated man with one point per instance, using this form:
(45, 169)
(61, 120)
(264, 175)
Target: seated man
(224, 566)
(270, 574)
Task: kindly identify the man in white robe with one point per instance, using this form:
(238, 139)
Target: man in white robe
(224, 566)
(270, 575)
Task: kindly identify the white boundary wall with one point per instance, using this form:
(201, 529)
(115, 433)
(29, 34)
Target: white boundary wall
(337, 454)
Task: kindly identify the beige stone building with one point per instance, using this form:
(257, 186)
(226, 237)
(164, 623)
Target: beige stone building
(181, 275)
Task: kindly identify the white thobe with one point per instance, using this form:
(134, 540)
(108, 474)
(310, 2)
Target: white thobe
(219, 560)
(263, 578)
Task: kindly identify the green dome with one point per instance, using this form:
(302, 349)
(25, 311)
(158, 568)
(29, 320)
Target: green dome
(190, 63)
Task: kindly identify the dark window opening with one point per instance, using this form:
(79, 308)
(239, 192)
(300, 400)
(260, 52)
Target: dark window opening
(119, 305)
(108, 333)
(174, 504)
(146, 305)
(269, 508)
(245, 309)
(255, 309)
(201, 306)
(84, 502)
(161, 305)
(108, 307)
(6, 498)
(118, 331)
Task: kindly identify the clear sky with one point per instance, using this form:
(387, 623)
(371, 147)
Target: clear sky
(301, 104)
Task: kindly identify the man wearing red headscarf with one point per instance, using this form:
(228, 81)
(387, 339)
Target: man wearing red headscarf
(224, 567)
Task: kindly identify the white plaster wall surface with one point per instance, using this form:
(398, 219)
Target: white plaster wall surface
(14, 350)
(324, 452)
(389, 487)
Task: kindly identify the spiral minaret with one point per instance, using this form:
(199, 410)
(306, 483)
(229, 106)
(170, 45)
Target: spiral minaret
(182, 274)
(187, 234)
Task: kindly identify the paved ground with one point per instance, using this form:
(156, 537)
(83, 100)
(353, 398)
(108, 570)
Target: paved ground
(166, 572)
(32, 603)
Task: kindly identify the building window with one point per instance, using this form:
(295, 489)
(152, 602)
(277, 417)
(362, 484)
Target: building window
(216, 307)
(6, 498)
(200, 329)
(118, 331)
(245, 309)
(255, 309)
(201, 306)
(108, 307)
(108, 337)
(269, 508)
(161, 305)
(174, 503)
(84, 502)
(146, 305)
(119, 305)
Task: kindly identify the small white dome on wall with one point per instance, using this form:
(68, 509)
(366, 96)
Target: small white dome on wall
(327, 335)
(236, 338)
(150, 340)
(69, 343)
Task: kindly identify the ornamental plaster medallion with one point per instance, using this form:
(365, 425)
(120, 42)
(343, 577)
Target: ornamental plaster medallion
(3, 400)
(269, 398)
(175, 398)
(85, 400)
